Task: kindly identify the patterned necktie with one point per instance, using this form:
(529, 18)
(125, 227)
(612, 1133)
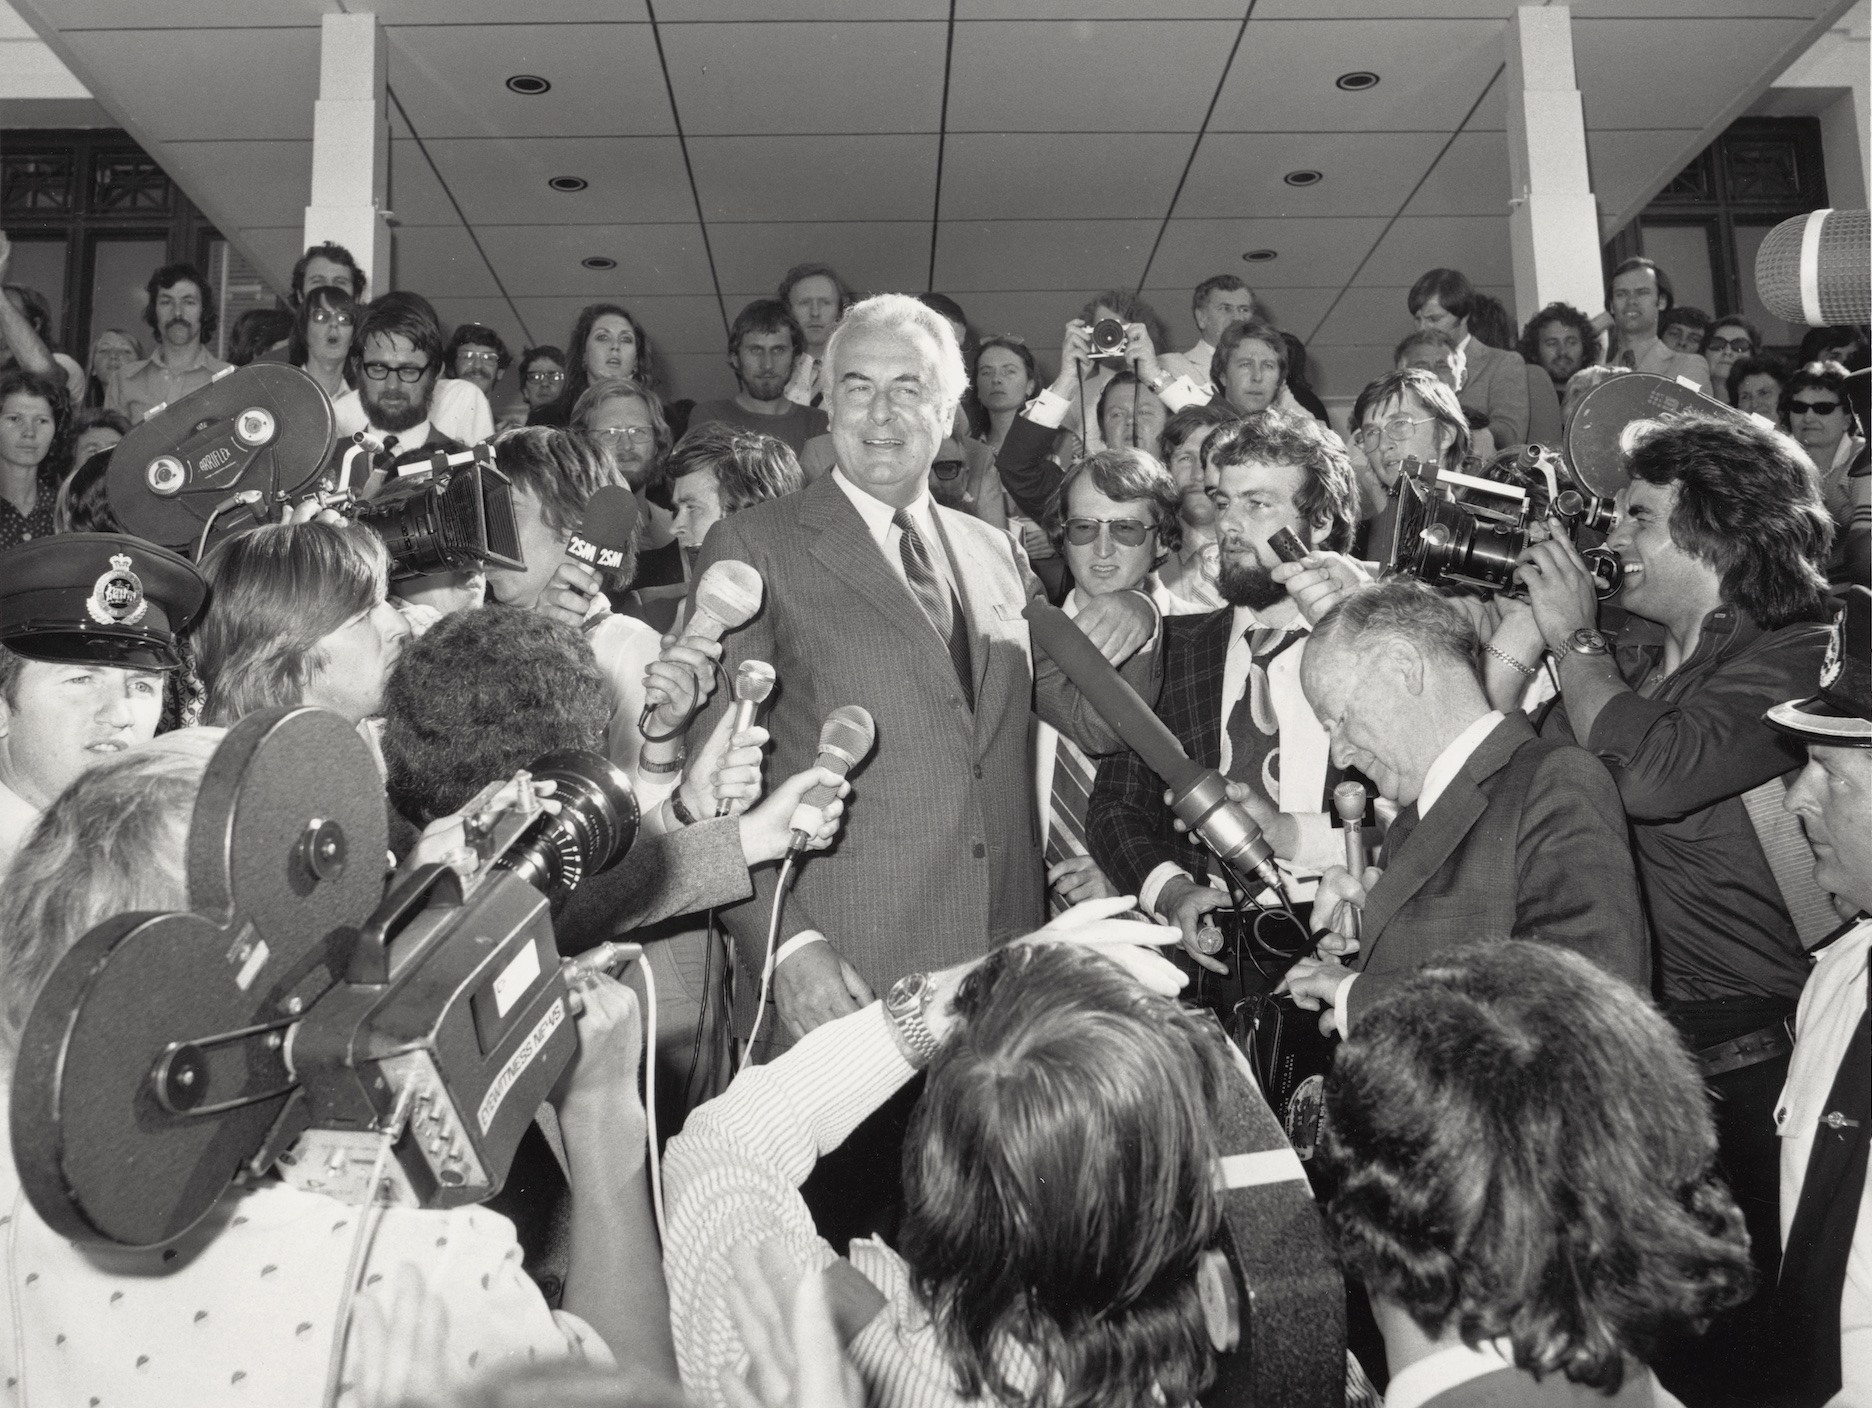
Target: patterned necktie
(1253, 729)
(1073, 775)
(929, 590)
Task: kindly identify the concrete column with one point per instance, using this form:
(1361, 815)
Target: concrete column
(351, 146)
(1553, 220)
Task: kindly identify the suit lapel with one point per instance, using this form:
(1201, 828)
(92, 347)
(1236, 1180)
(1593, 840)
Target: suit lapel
(845, 547)
(1439, 834)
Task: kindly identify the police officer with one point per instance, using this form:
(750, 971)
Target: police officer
(88, 627)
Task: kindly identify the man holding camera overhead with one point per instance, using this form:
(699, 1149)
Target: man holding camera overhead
(1724, 543)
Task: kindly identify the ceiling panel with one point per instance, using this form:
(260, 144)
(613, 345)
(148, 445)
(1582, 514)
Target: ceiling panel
(1384, 9)
(440, 262)
(1161, 11)
(544, 261)
(884, 255)
(1624, 65)
(1375, 316)
(1039, 254)
(1471, 178)
(1295, 309)
(1308, 252)
(1623, 164)
(878, 77)
(1093, 76)
(1034, 176)
(785, 11)
(274, 250)
(632, 179)
(183, 84)
(1429, 72)
(1365, 173)
(674, 322)
(831, 178)
(260, 183)
(605, 78)
(1477, 245)
(71, 15)
(1340, 373)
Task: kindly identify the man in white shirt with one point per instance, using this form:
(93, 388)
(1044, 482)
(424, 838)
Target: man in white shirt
(1638, 295)
(1217, 302)
(817, 298)
(1824, 1116)
(1502, 834)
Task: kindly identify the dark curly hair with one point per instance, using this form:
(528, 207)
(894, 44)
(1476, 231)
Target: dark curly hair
(480, 696)
(19, 381)
(1280, 437)
(1498, 1171)
(1059, 1184)
(1747, 505)
(1564, 313)
(167, 278)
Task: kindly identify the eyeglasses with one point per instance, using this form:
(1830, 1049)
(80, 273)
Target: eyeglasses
(1395, 428)
(546, 378)
(1127, 532)
(1730, 344)
(1817, 408)
(343, 320)
(380, 371)
(636, 434)
(467, 356)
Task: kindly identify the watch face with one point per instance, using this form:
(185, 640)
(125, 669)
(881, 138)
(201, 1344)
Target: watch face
(906, 994)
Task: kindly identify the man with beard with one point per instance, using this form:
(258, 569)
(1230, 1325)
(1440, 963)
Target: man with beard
(181, 313)
(396, 353)
(1228, 685)
(763, 345)
(1560, 340)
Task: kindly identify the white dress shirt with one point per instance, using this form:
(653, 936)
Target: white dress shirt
(457, 409)
(1419, 1382)
(1437, 778)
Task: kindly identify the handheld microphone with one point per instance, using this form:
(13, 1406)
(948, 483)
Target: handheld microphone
(604, 539)
(1817, 268)
(1348, 799)
(726, 597)
(1199, 795)
(846, 736)
(753, 682)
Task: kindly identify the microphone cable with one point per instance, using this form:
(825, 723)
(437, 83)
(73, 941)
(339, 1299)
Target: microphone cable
(767, 959)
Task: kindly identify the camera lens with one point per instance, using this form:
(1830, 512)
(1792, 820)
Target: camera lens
(1108, 335)
(595, 825)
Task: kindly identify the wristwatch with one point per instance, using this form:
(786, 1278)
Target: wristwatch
(909, 996)
(1587, 641)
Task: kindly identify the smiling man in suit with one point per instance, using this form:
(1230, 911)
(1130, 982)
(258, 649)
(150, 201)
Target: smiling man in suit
(1501, 833)
(880, 597)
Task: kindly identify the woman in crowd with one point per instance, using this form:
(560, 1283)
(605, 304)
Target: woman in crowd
(94, 430)
(607, 344)
(321, 337)
(1523, 1171)
(251, 1304)
(1727, 341)
(113, 348)
(627, 420)
(1006, 378)
(1755, 385)
(1815, 411)
(35, 453)
(1189, 572)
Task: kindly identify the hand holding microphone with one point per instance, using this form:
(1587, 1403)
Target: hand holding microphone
(600, 543)
(847, 735)
(753, 683)
(803, 813)
(727, 597)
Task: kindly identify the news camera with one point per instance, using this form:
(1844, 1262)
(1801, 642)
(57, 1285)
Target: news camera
(228, 456)
(299, 1017)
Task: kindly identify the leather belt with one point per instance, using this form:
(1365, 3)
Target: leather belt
(1749, 1049)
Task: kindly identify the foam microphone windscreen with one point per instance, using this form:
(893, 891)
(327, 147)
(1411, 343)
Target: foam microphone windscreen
(847, 735)
(727, 596)
(604, 538)
(1817, 268)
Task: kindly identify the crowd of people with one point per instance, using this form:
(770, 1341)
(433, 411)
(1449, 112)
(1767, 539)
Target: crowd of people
(945, 1044)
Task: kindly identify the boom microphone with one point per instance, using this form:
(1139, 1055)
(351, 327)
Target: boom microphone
(1199, 795)
(1817, 268)
(604, 539)
(846, 736)
(753, 682)
(726, 597)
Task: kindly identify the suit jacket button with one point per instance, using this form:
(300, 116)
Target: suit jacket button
(981, 851)
(978, 772)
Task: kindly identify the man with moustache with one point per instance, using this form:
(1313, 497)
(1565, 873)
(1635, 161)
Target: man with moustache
(396, 355)
(1227, 683)
(763, 345)
(1560, 340)
(180, 310)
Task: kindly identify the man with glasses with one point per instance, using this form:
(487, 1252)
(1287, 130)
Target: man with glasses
(542, 375)
(1227, 683)
(396, 352)
(1726, 342)
(477, 356)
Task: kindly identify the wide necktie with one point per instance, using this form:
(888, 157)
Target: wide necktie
(1073, 775)
(1399, 832)
(1253, 728)
(938, 603)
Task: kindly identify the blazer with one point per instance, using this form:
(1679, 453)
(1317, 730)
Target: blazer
(1528, 841)
(1495, 383)
(940, 855)
(1128, 825)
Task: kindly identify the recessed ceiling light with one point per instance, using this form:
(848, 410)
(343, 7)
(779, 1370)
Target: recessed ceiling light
(1357, 81)
(567, 183)
(599, 261)
(1260, 256)
(1303, 178)
(529, 85)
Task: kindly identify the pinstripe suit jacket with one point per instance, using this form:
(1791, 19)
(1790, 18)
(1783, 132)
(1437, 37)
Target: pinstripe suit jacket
(940, 855)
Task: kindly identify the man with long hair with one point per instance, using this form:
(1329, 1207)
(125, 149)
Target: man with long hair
(180, 310)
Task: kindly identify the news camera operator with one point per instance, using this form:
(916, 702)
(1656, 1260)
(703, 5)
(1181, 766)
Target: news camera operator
(1057, 1177)
(1522, 1163)
(247, 1306)
(1724, 542)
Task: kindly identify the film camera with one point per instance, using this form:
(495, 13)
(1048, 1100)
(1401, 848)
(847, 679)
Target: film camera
(299, 1014)
(228, 456)
(1108, 338)
(1471, 529)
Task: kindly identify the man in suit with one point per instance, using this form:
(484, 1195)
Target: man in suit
(1228, 684)
(1502, 834)
(879, 597)
(1491, 381)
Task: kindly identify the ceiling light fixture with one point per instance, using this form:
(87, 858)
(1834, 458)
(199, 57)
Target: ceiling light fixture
(567, 183)
(1303, 178)
(1357, 81)
(528, 85)
(599, 261)
(1260, 256)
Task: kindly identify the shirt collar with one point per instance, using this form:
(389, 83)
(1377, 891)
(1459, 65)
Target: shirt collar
(1418, 1383)
(201, 358)
(412, 439)
(1246, 617)
(1450, 762)
(876, 513)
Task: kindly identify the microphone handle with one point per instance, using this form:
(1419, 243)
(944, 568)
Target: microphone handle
(1354, 849)
(744, 712)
